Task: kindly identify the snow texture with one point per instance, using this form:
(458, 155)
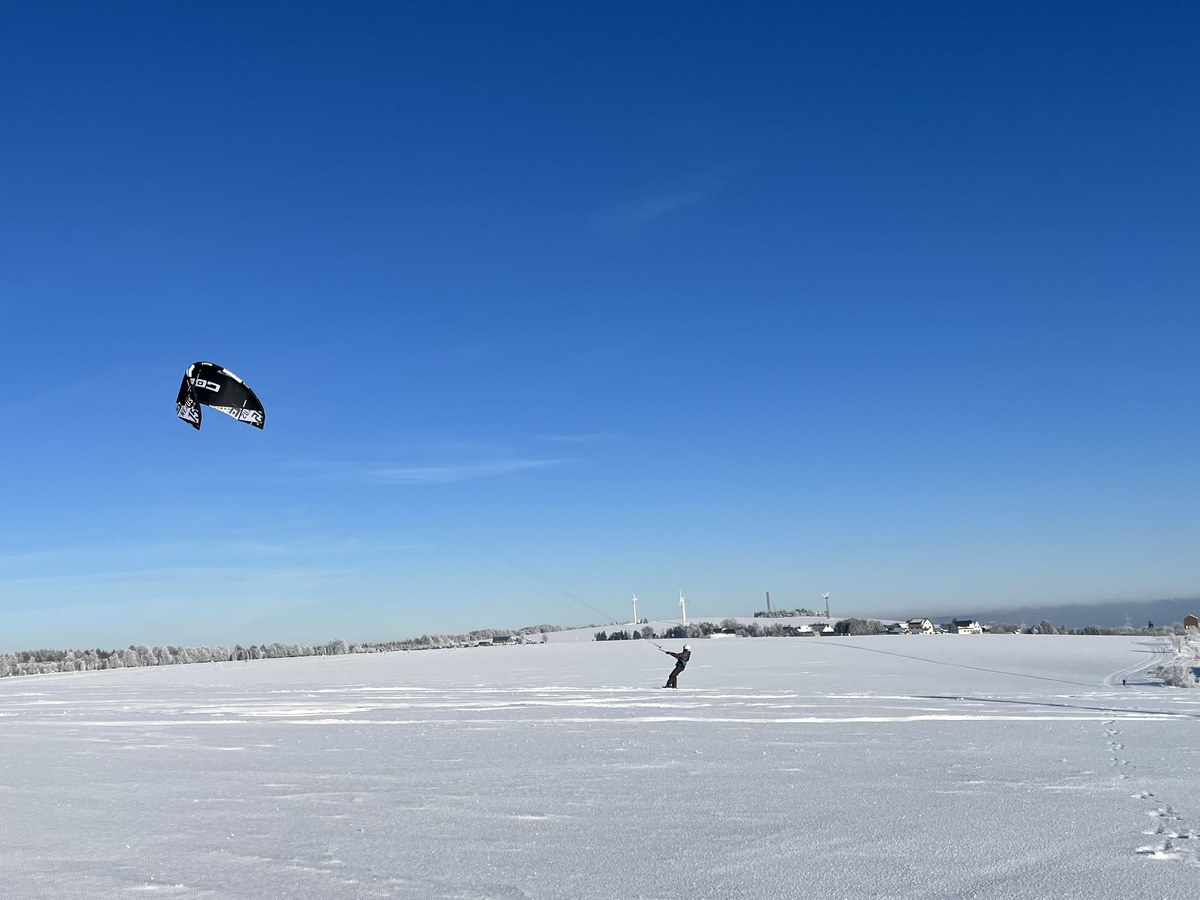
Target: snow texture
(1011, 766)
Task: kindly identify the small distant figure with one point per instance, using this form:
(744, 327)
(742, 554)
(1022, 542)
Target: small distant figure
(681, 661)
(1123, 684)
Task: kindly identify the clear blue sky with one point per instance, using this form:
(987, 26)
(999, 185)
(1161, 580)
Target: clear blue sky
(553, 303)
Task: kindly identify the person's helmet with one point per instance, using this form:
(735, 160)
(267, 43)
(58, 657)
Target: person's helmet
(687, 646)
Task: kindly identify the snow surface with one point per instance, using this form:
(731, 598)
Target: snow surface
(1011, 766)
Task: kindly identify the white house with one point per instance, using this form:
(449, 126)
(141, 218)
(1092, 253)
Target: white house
(898, 628)
(920, 626)
(965, 626)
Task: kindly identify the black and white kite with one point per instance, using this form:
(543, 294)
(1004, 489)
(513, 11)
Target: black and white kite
(207, 384)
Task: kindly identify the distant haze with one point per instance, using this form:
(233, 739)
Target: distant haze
(1080, 615)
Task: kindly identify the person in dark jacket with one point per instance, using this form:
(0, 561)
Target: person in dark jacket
(681, 661)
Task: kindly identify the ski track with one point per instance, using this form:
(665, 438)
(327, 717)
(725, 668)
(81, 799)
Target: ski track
(399, 707)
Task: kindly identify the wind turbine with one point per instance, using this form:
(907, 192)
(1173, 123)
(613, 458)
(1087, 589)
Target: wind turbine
(635, 618)
(826, 596)
(683, 607)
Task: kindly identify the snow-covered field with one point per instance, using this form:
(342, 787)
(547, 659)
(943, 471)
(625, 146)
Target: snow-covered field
(1011, 766)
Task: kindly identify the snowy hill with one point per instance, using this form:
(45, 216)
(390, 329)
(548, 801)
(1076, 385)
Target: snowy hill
(995, 766)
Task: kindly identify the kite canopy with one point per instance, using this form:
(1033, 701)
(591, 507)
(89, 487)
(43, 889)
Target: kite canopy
(207, 384)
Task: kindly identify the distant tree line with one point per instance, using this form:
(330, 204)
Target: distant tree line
(856, 626)
(1047, 627)
(701, 629)
(44, 662)
(785, 613)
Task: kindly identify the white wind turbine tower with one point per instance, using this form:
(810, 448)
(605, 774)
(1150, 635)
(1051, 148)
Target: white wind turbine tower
(635, 618)
(683, 607)
(826, 596)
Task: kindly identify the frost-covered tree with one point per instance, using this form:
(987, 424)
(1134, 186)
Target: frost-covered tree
(859, 626)
(1176, 674)
(1181, 671)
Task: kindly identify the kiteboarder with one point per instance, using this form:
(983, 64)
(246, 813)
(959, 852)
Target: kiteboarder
(681, 661)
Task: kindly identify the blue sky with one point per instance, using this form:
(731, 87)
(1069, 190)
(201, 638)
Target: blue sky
(553, 303)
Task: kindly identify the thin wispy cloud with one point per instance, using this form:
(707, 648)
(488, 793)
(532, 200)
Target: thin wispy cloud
(655, 206)
(451, 473)
(439, 461)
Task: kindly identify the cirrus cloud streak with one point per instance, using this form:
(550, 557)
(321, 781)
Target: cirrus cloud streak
(451, 473)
